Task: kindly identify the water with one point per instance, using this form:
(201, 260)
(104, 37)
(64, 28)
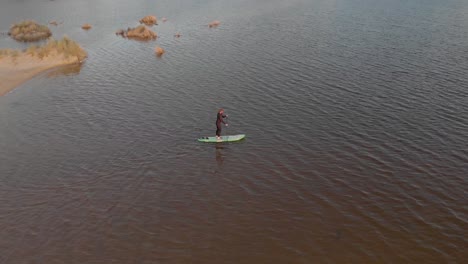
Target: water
(356, 115)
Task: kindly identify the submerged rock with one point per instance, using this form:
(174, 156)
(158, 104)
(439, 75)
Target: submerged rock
(29, 30)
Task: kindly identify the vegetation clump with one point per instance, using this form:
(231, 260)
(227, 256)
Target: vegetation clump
(9, 53)
(149, 20)
(141, 33)
(29, 30)
(86, 26)
(66, 47)
(214, 23)
(5, 52)
(120, 32)
(159, 51)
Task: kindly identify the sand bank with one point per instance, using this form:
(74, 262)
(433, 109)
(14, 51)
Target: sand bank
(17, 67)
(16, 70)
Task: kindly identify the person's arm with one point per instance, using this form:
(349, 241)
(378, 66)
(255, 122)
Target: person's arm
(222, 119)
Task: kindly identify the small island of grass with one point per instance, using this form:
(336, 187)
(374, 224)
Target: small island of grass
(17, 66)
(139, 33)
(29, 30)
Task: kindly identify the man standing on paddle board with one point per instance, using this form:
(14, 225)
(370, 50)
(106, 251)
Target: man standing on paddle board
(219, 120)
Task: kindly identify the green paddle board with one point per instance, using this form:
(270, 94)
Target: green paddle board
(229, 138)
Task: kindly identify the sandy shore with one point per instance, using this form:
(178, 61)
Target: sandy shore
(14, 72)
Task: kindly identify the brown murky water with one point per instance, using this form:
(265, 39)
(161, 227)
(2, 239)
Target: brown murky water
(356, 115)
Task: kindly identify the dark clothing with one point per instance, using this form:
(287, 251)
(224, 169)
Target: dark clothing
(219, 120)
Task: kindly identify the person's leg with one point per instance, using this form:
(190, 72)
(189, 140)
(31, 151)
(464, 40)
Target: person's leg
(218, 132)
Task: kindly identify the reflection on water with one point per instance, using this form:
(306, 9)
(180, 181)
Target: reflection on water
(68, 70)
(219, 153)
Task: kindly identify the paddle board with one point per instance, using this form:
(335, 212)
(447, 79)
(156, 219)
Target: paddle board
(229, 138)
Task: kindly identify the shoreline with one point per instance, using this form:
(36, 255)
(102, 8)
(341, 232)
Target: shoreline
(16, 71)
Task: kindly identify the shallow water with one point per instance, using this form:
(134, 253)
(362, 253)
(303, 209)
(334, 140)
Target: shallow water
(356, 115)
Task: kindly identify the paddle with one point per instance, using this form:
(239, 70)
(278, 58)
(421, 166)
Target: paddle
(227, 123)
